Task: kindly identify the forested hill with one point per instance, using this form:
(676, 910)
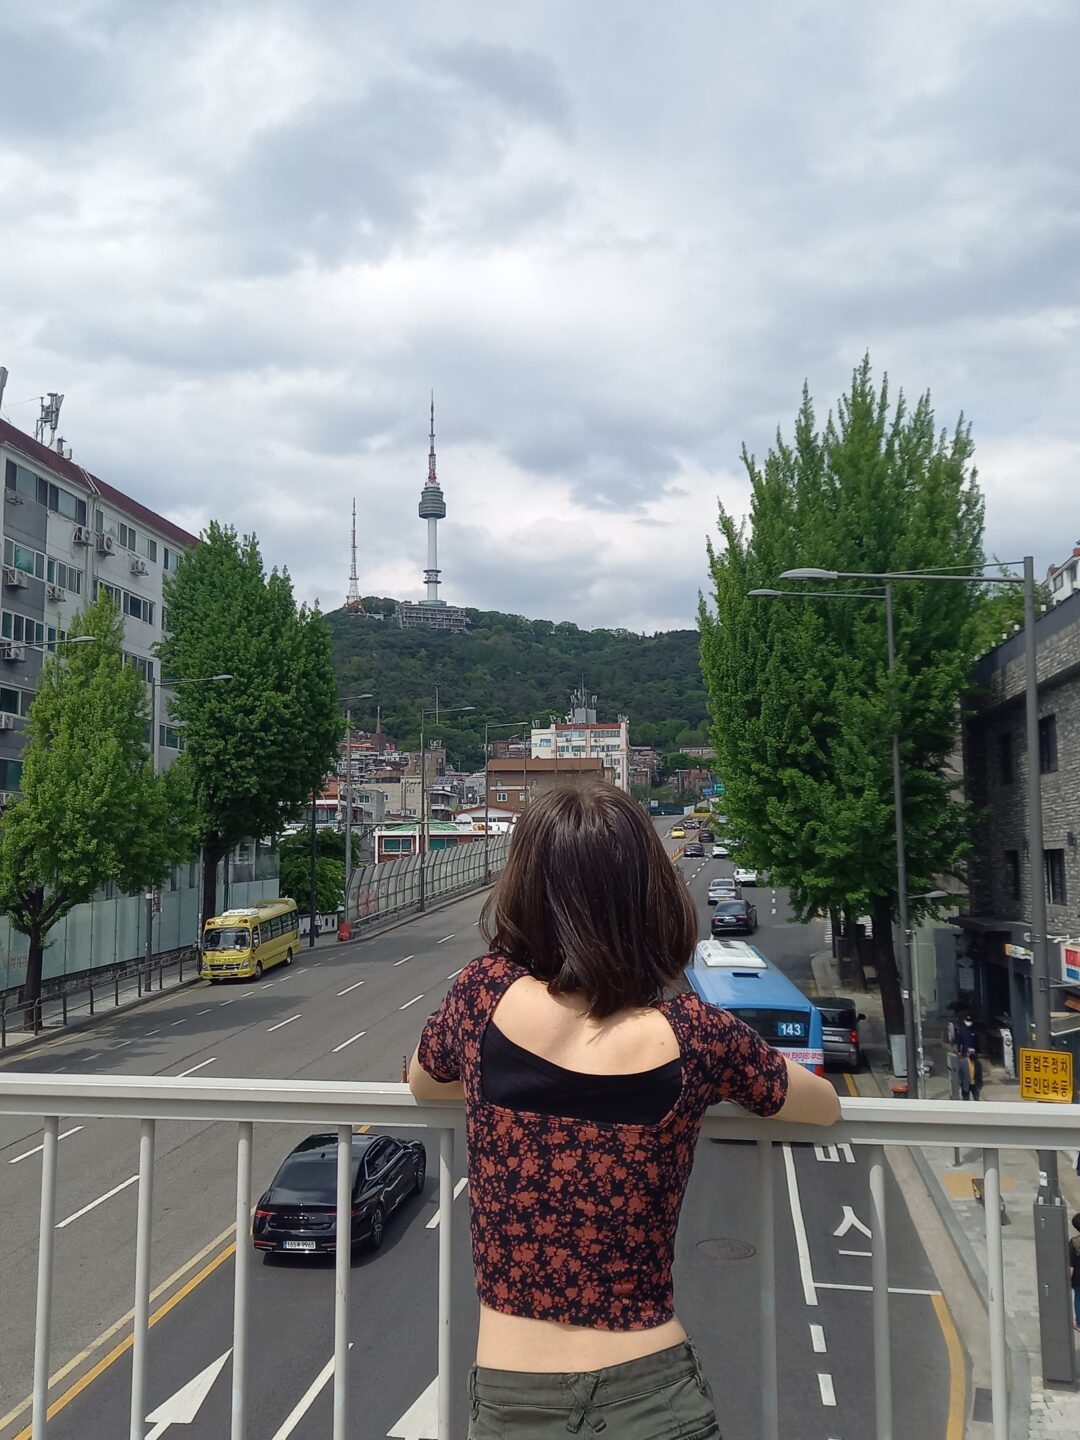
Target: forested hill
(509, 667)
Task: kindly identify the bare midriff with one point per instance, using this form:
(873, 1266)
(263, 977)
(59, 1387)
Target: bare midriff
(515, 1342)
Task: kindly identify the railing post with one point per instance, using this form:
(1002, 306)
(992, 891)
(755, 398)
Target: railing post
(770, 1422)
(342, 1269)
(3, 1027)
(63, 1007)
(241, 1276)
(91, 989)
(143, 1234)
(446, 1231)
(879, 1267)
(995, 1276)
(43, 1322)
(116, 989)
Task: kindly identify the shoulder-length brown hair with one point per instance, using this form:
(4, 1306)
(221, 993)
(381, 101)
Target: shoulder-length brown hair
(590, 903)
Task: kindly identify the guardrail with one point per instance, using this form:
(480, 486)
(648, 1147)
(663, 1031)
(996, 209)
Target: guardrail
(60, 999)
(870, 1123)
(410, 884)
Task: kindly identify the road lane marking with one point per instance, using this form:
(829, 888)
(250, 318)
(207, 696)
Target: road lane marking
(38, 1148)
(817, 1339)
(825, 1385)
(861, 1254)
(801, 1244)
(151, 1032)
(87, 1058)
(402, 962)
(954, 1425)
(206, 1011)
(421, 1418)
(349, 1041)
(849, 1080)
(445, 938)
(304, 1404)
(350, 987)
(125, 1345)
(201, 1066)
(228, 1002)
(433, 1223)
(869, 1289)
(179, 1022)
(284, 1022)
(120, 1044)
(850, 1221)
(411, 1002)
(63, 1224)
(455, 974)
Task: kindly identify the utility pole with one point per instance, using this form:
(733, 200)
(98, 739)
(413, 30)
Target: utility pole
(910, 1041)
(312, 899)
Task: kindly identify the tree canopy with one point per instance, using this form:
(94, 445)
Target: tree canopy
(802, 703)
(257, 744)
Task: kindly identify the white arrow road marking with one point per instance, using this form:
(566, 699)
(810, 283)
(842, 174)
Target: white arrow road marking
(850, 1221)
(304, 1404)
(832, 1154)
(421, 1420)
(182, 1408)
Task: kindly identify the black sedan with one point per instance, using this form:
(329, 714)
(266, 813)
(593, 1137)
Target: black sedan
(693, 848)
(734, 917)
(298, 1213)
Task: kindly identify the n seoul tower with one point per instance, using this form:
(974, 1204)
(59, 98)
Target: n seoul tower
(432, 509)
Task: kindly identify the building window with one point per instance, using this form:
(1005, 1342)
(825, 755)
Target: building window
(170, 738)
(171, 561)
(1012, 874)
(15, 702)
(10, 774)
(1048, 756)
(19, 557)
(500, 797)
(68, 577)
(1005, 758)
(22, 629)
(1054, 865)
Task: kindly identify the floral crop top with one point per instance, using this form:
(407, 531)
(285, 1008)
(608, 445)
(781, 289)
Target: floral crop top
(575, 1220)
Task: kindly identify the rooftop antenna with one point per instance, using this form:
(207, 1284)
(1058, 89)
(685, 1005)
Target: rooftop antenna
(353, 604)
(49, 418)
(3, 384)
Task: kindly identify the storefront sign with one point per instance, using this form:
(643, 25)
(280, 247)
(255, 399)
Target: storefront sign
(1019, 953)
(1070, 962)
(1046, 1075)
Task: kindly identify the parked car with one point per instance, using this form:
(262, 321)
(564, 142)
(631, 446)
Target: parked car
(734, 917)
(694, 849)
(719, 851)
(298, 1213)
(723, 887)
(840, 1031)
(745, 876)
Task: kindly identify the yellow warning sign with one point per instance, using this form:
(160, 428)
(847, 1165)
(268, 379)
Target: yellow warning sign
(1046, 1075)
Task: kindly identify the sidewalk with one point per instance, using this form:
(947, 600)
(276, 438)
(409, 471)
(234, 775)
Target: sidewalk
(1054, 1412)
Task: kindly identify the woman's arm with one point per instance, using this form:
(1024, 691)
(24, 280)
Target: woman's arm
(810, 1099)
(425, 1088)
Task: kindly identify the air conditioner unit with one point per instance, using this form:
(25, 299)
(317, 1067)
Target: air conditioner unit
(7, 797)
(12, 650)
(82, 535)
(15, 578)
(139, 567)
(12, 495)
(56, 592)
(105, 545)
(7, 722)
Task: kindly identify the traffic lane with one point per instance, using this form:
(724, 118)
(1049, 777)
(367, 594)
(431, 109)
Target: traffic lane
(393, 1330)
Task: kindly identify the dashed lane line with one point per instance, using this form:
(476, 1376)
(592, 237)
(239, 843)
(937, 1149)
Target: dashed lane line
(454, 974)
(825, 1385)
(350, 1040)
(63, 1224)
(433, 1223)
(201, 1066)
(182, 1021)
(402, 962)
(356, 986)
(39, 1148)
(281, 1023)
(802, 1245)
(445, 938)
(817, 1339)
(411, 1002)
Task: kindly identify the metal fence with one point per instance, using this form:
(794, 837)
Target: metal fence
(873, 1123)
(398, 887)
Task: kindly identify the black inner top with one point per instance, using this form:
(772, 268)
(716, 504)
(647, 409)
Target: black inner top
(519, 1080)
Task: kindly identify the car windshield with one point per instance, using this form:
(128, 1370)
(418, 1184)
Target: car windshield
(228, 939)
(838, 1014)
(732, 907)
(311, 1178)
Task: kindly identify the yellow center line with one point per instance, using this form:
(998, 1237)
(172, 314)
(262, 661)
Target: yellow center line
(126, 1344)
(954, 1428)
(849, 1081)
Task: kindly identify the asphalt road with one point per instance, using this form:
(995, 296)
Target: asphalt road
(307, 1022)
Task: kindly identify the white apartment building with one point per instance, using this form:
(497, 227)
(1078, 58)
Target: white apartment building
(66, 536)
(1064, 580)
(587, 740)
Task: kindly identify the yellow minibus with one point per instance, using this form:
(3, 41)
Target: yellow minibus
(251, 939)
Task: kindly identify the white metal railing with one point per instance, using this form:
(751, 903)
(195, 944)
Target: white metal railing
(872, 1123)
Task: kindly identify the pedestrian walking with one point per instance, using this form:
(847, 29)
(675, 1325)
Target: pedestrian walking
(1074, 1270)
(963, 1073)
(586, 1064)
(966, 1038)
(975, 1073)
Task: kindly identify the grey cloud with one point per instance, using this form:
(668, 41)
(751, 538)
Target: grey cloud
(521, 81)
(53, 85)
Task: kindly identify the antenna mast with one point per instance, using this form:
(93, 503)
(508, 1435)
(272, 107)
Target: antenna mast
(353, 604)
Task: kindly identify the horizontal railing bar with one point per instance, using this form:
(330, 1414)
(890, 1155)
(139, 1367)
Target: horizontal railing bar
(864, 1120)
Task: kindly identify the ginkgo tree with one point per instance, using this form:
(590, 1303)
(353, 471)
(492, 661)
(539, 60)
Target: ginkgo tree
(92, 810)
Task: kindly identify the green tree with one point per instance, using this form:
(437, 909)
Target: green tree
(295, 855)
(802, 705)
(92, 810)
(257, 746)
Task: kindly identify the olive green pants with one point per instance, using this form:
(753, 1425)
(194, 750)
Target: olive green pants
(659, 1397)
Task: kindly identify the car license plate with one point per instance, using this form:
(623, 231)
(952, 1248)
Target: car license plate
(299, 1244)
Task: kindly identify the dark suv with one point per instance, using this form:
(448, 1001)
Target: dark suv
(734, 917)
(840, 1031)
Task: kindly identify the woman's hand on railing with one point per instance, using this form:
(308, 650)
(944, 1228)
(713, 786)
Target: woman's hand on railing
(811, 1099)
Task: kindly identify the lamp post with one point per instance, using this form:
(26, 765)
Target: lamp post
(168, 684)
(349, 701)
(1058, 1354)
(424, 712)
(910, 1047)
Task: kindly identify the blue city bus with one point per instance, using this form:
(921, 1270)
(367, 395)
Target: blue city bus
(736, 976)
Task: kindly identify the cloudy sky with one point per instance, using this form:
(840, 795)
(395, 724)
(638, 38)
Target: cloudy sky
(246, 237)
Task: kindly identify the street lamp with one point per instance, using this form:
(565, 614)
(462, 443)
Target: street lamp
(348, 701)
(1058, 1354)
(425, 711)
(910, 1043)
